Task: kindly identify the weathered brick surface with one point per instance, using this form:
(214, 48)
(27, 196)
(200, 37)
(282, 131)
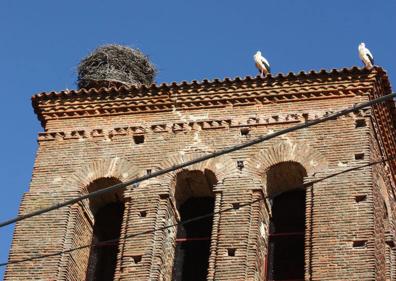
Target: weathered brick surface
(90, 135)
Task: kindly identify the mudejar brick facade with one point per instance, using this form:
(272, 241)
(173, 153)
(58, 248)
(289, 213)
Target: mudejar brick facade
(99, 137)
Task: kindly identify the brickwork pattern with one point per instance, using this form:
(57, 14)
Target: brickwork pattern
(90, 135)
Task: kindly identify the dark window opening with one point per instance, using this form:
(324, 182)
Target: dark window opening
(107, 210)
(286, 239)
(193, 240)
(285, 260)
(103, 257)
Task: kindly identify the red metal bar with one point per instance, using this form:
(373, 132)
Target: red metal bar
(186, 239)
(265, 267)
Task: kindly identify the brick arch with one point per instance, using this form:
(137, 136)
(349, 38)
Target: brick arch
(311, 159)
(222, 166)
(116, 167)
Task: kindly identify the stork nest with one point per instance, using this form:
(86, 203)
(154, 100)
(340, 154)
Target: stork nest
(115, 65)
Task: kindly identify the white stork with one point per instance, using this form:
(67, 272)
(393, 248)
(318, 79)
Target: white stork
(366, 56)
(262, 64)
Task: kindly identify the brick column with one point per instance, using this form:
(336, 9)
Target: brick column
(215, 235)
(73, 265)
(258, 236)
(340, 226)
(141, 221)
(164, 240)
(41, 235)
(234, 230)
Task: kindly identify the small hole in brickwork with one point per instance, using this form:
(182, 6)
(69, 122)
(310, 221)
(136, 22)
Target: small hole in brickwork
(231, 252)
(245, 131)
(360, 198)
(143, 214)
(138, 139)
(240, 165)
(359, 156)
(148, 171)
(164, 196)
(385, 211)
(236, 206)
(359, 243)
(305, 116)
(137, 259)
(360, 123)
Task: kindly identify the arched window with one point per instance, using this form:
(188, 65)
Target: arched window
(285, 259)
(194, 198)
(108, 212)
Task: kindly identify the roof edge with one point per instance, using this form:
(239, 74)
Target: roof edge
(165, 90)
(206, 82)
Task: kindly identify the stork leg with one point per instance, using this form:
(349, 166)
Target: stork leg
(262, 74)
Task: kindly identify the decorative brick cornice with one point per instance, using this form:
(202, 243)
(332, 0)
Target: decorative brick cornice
(205, 94)
(212, 124)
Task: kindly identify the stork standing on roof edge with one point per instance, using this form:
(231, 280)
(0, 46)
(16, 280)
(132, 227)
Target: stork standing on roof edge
(366, 56)
(262, 64)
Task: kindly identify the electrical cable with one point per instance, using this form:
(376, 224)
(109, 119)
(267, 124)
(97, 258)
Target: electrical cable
(257, 140)
(199, 159)
(117, 240)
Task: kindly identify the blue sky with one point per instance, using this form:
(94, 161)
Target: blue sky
(41, 42)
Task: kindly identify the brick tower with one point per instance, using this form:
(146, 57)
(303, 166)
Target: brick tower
(304, 206)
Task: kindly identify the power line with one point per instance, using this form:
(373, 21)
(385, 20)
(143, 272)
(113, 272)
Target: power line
(115, 241)
(200, 159)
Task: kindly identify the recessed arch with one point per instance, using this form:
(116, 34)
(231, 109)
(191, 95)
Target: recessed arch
(94, 214)
(108, 212)
(98, 202)
(193, 184)
(283, 177)
(194, 197)
(281, 169)
(116, 167)
(222, 166)
(286, 151)
(286, 252)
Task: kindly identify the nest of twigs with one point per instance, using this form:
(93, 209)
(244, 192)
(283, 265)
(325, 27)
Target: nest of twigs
(115, 65)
